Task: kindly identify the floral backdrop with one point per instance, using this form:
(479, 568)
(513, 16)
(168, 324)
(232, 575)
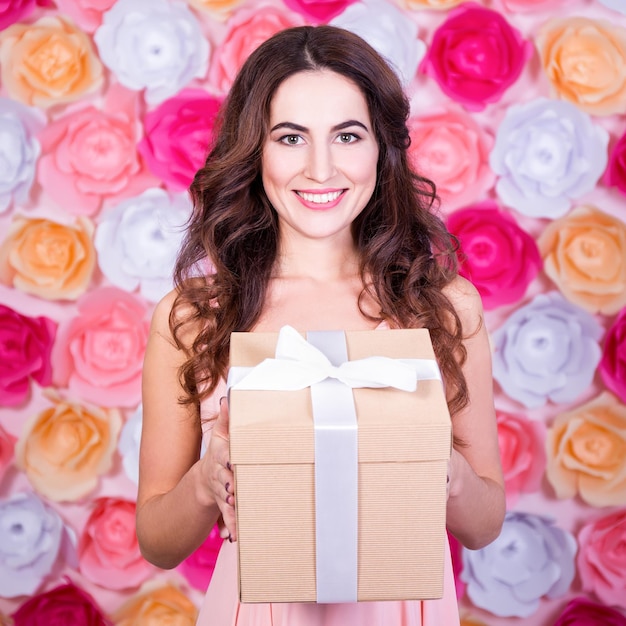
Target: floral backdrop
(106, 109)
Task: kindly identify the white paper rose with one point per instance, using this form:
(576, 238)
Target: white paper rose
(531, 558)
(32, 538)
(547, 153)
(392, 34)
(616, 5)
(156, 45)
(137, 241)
(128, 445)
(546, 350)
(19, 151)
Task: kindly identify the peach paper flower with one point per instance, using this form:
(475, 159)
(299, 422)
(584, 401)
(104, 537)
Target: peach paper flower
(586, 450)
(86, 13)
(64, 449)
(48, 62)
(216, 9)
(48, 259)
(585, 62)
(584, 253)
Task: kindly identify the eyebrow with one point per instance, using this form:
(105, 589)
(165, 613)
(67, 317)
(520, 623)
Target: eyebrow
(304, 129)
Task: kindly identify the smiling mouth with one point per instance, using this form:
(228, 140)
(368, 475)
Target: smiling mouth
(320, 198)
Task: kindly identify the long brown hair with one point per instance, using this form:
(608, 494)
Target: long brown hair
(407, 255)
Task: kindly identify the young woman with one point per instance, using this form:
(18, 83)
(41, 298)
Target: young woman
(307, 213)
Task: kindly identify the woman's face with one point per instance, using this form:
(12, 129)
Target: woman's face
(319, 158)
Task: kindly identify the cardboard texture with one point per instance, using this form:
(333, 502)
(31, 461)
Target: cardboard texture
(404, 442)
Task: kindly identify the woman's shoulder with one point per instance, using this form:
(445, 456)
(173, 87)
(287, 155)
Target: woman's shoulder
(466, 301)
(171, 309)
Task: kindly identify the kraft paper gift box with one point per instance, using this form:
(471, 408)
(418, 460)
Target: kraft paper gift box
(336, 513)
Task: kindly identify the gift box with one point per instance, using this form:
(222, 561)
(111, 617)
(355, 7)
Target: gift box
(333, 508)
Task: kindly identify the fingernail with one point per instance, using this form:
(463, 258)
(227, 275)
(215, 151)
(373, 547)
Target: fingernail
(230, 539)
(228, 466)
(227, 486)
(222, 399)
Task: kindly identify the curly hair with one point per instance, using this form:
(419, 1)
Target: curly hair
(407, 256)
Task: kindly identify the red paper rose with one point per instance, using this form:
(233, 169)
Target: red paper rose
(12, 11)
(198, 567)
(498, 256)
(61, 606)
(178, 134)
(476, 55)
(615, 175)
(583, 612)
(319, 11)
(25, 346)
(613, 363)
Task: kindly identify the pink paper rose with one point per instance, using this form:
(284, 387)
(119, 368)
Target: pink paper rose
(615, 174)
(319, 11)
(91, 156)
(453, 150)
(602, 558)
(87, 14)
(498, 256)
(108, 550)
(12, 11)
(7, 450)
(99, 353)
(613, 363)
(529, 6)
(522, 449)
(177, 136)
(456, 552)
(475, 56)
(583, 612)
(25, 347)
(198, 567)
(247, 29)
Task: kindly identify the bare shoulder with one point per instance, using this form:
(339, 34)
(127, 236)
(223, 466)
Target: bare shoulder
(467, 302)
(166, 307)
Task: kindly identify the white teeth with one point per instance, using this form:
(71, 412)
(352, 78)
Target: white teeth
(319, 198)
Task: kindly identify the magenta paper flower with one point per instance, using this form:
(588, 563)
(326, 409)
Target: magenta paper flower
(523, 454)
(12, 11)
(531, 558)
(475, 56)
(497, 256)
(613, 363)
(456, 553)
(615, 174)
(7, 451)
(584, 612)
(25, 348)
(177, 136)
(198, 567)
(602, 558)
(98, 354)
(319, 11)
(108, 550)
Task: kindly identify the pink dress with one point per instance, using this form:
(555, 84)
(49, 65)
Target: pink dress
(221, 606)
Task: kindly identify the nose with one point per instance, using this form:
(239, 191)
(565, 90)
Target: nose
(320, 164)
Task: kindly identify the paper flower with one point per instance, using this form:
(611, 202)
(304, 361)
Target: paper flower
(584, 254)
(613, 363)
(585, 61)
(475, 56)
(547, 153)
(470, 621)
(602, 558)
(90, 156)
(439, 5)
(246, 30)
(178, 135)
(616, 5)
(128, 445)
(108, 550)
(496, 255)
(529, 6)
(456, 554)
(584, 612)
(531, 558)
(48, 62)
(452, 149)
(216, 9)
(319, 11)
(64, 449)
(98, 354)
(33, 538)
(48, 259)
(164, 604)
(137, 241)
(522, 450)
(25, 347)
(65, 604)
(615, 174)
(587, 452)
(391, 34)
(546, 350)
(14, 11)
(19, 151)
(198, 567)
(87, 14)
(7, 451)
(156, 45)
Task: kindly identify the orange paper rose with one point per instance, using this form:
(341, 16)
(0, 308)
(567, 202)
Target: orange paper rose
(584, 253)
(586, 450)
(585, 62)
(217, 9)
(157, 606)
(66, 448)
(48, 62)
(48, 259)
